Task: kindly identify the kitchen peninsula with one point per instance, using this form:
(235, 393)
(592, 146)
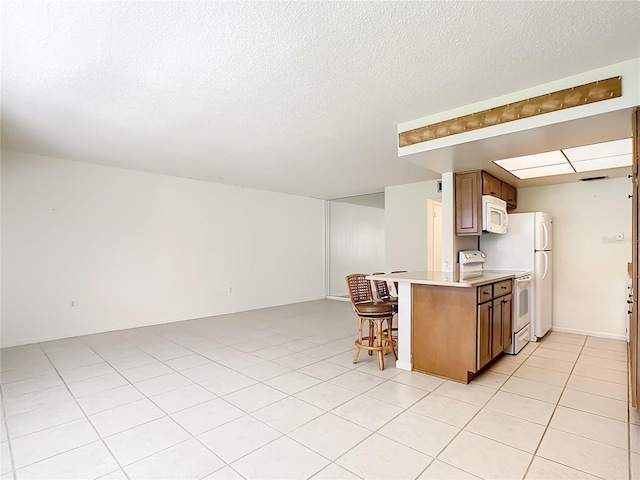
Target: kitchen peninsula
(449, 325)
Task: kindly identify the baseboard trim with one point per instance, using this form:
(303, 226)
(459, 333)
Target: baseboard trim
(342, 299)
(590, 333)
(404, 365)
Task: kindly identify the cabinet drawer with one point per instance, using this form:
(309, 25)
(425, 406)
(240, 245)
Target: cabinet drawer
(502, 288)
(485, 293)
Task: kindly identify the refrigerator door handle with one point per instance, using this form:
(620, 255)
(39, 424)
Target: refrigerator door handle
(546, 236)
(546, 264)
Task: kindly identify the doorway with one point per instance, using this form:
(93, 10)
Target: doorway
(434, 234)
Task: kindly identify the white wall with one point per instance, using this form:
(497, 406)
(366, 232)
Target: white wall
(356, 243)
(132, 248)
(406, 236)
(590, 266)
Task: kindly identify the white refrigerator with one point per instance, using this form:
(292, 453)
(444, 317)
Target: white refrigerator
(527, 245)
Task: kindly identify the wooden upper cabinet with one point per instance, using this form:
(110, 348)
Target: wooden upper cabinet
(491, 185)
(468, 195)
(469, 188)
(509, 195)
(497, 188)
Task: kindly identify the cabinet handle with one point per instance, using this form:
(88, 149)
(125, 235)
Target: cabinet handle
(485, 293)
(504, 301)
(630, 196)
(503, 287)
(629, 312)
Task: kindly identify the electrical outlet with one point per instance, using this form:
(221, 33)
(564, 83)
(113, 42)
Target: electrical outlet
(230, 290)
(73, 303)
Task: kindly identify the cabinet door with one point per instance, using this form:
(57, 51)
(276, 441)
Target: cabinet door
(491, 185)
(507, 321)
(485, 314)
(496, 328)
(509, 195)
(468, 203)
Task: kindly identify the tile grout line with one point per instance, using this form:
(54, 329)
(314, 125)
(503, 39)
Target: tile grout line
(553, 413)
(461, 429)
(129, 382)
(195, 437)
(166, 414)
(6, 428)
(85, 416)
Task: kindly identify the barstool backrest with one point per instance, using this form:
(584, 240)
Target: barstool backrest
(382, 289)
(359, 288)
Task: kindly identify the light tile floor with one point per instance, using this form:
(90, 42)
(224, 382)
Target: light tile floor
(273, 393)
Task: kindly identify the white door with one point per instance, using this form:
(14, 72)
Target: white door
(434, 234)
(436, 239)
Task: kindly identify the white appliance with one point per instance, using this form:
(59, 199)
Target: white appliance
(471, 262)
(527, 247)
(494, 215)
(521, 312)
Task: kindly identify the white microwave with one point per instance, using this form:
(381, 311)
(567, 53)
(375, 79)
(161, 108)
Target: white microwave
(494, 215)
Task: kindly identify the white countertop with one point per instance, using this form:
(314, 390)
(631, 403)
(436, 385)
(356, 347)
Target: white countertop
(447, 279)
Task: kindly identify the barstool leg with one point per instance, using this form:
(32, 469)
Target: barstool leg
(359, 341)
(371, 337)
(393, 343)
(379, 343)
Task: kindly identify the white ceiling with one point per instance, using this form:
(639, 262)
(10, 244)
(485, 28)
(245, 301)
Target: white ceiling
(295, 97)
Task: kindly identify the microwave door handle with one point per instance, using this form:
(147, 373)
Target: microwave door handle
(506, 219)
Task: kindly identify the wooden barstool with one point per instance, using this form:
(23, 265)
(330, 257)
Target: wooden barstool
(374, 313)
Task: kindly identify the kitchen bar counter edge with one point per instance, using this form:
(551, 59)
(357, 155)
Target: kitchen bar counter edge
(447, 279)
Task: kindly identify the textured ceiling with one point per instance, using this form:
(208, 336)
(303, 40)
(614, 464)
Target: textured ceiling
(296, 97)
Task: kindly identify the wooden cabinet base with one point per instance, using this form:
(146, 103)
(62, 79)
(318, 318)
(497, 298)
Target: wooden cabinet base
(444, 331)
(456, 332)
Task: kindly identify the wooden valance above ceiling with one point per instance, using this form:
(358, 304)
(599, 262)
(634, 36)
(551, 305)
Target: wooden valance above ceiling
(551, 102)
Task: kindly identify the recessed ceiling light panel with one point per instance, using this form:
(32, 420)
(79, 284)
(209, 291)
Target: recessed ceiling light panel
(599, 150)
(603, 163)
(532, 161)
(544, 171)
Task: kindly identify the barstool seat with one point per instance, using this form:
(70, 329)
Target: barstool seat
(373, 308)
